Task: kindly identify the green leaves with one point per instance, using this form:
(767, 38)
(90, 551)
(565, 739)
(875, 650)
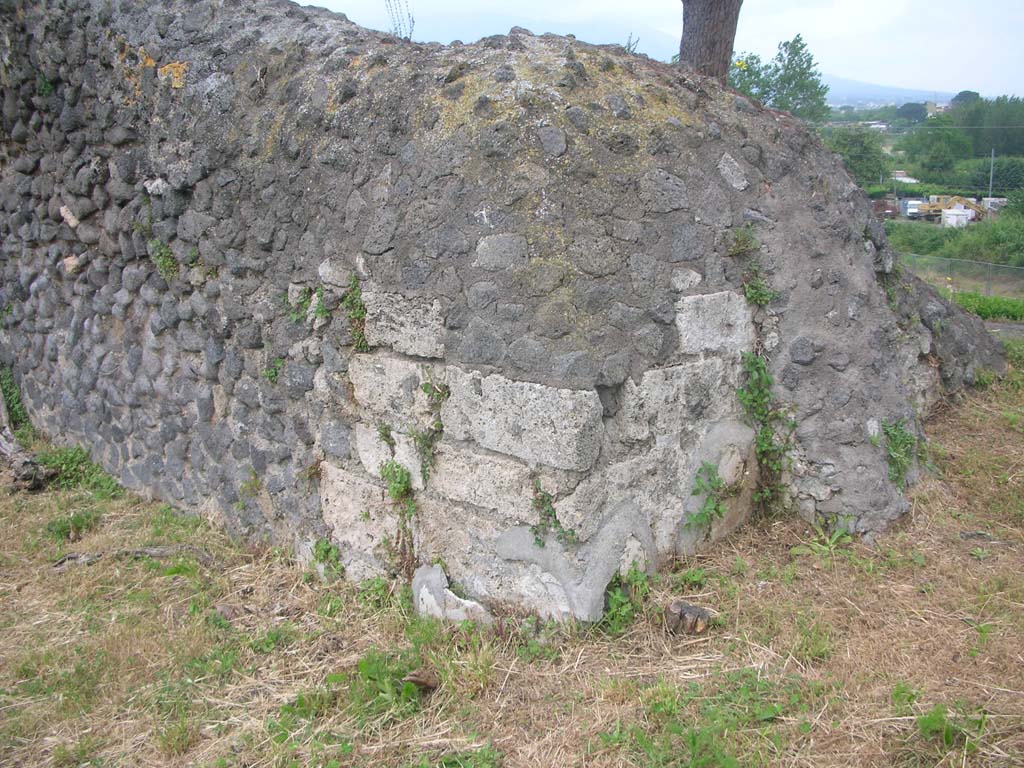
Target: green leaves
(755, 395)
(166, 264)
(713, 488)
(624, 598)
(743, 241)
(990, 307)
(861, 150)
(376, 691)
(825, 543)
(756, 288)
(273, 370)
(399, 485)
(549, 523)
(900, 449)
(355, 309)
(790, 81)
(75, 470)
(774, 427)
(12, 398)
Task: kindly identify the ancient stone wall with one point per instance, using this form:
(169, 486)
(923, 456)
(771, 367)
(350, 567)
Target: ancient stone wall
(490, 306)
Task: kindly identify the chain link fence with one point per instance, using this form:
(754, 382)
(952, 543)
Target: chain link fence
(962, 275)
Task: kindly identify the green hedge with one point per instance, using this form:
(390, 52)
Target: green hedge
(990, 307)
(998, 241)
(922, 191)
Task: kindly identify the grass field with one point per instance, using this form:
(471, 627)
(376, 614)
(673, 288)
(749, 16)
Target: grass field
(990, 307)
(180, 648)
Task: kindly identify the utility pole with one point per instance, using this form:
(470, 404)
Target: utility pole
(991, 171)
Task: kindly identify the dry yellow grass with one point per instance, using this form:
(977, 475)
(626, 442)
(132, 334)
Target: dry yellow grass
(845, 657)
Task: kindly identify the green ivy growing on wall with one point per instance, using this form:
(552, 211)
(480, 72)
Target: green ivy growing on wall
(774, 429)
(399, 483)
(710, 485)
(549, 523)
(352, 301)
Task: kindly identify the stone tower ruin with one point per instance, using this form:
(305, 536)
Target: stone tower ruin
(529, 311)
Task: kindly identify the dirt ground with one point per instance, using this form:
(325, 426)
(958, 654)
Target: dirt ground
(1005, 330)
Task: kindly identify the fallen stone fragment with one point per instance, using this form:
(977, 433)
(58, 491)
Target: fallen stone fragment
(683, 618)
(431, 597)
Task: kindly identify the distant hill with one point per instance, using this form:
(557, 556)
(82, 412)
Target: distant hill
(857, 94)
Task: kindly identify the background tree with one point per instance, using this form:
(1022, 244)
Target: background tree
(709, 29)
(790, 81)
(965, 97)
(1007, 174)
(992, 124)
(862, 153)
(912, 112)
(749, 75)
(936, 146)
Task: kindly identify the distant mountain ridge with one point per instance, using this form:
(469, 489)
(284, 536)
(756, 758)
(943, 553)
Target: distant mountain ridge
(842, 91)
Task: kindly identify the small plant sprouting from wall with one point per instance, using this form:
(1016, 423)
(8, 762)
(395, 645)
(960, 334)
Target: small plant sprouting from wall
(426, 441)
(273, 370)
(426, 444)
(743, 241)
(44, 87)
(74, 469)
(892, 284)
(320, 310)
(900, 449)
(399, 483)
(352, 301)
(145, 226)
(436, 393)
(710, 485)
(549, 523)
(251, 488)
(12, 397)
(166, 264)
(385, 435)
(756, 288)
(327, 555)
(773, 429)
(624, 599)
(298, 311)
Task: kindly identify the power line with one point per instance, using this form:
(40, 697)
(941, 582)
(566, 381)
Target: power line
(921, 125)
(975, 127)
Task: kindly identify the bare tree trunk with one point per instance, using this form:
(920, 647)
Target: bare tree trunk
(709, 29)
(26, 472)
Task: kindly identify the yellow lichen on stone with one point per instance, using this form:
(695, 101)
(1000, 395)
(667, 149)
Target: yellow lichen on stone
(272, 141)
(454, 113)
(131, 62)
(175, 72)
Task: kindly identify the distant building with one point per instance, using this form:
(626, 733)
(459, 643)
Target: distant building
(903, 178)
(956, 217)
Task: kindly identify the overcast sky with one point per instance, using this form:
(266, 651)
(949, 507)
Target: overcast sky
(943, 45)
